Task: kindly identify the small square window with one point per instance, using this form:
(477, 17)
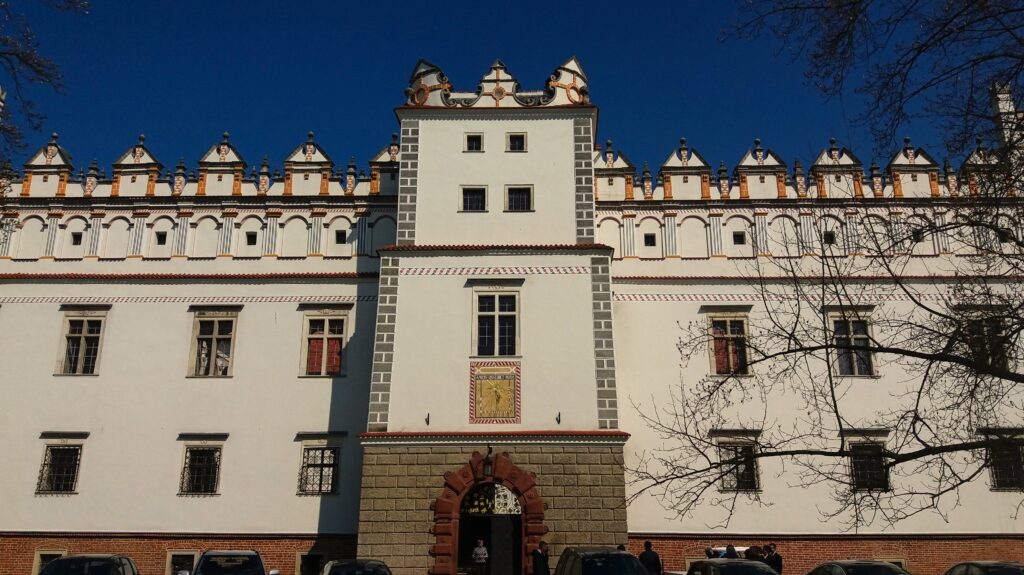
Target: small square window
(161, 238)
(250, 238)
(913, 177)
(739, 238)
(59, 473)
(181, 561)
(340, 237)
(201, 473)
(474, 199)
(305, 176)
(474, 142)
(917, 235)
(760, 179)
(520, 199)
(76, 238)
(686, 179)
(516, 143)
(220, 177)
(133, 179)
(828, 238)
(1005, 236)
(650, 240)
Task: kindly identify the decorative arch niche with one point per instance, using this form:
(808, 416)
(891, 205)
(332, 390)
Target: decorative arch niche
(480, 470)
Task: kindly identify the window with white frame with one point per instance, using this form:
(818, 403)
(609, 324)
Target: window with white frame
(213, 341)
(852, 339)
(515, 142)
(200, 470)
(474, 143)
(736, 451)
(519, 198)
(59, 470)
(82, 339)
(323, 341)
(496, 317)
(729, 345)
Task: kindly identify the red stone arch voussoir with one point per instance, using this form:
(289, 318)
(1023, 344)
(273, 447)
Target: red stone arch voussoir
(458, 483)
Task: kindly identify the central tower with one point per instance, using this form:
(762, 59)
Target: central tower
(493, 353)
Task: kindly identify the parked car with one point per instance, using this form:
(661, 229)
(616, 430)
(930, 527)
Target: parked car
(987, 568)
(598, 561)
(230, 563)
(729, 567)
(857, 568)
(91, 565)
(356, 567)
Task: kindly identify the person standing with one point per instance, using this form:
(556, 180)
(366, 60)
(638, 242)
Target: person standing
(650, 560)
(772, 558)
(480, 557)
(540, 560)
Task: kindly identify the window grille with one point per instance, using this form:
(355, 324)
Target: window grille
(213, 348)
(740, 467)
(325, 338)
(729, 343)
(867, 467)
(517, 142)
(987, 341)
(474, 200)
(520, 199)
(82, 346)
(201, 472)
(318, 474)
(474, 143)
(852, 333)
(1007, 460)
(59, 473)
(496, 324)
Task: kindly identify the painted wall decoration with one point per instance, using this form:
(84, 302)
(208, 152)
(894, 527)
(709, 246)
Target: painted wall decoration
(494, 392)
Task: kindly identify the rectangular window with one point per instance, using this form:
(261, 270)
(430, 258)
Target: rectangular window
(474, 143)
(474, 199)
(178, 561)
(520, 199)
(739, 239)
(1007, 460)
(850, 334)
(340, 237)
(650, 240)
(867, 467)
(250, 238)
(59, 472)
(213, 343)
(201, 473)
(516, 143)
(310, 564)
(76, 238)
(828, 238)
(43, 558)
(319, 472)
(917, 235)
(496, 329)
(729, 346)
(987, 341)
(739, 471)
(324, 343)
(83, 337)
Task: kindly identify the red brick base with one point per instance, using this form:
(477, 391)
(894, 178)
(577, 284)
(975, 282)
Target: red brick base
(922, 555)
(150, 551)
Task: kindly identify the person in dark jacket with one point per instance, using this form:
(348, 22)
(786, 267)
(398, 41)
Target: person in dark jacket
(772, 558)
(650, 560)
(730, 553)
(540, 560)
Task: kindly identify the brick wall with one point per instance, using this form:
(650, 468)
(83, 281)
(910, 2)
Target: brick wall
(582, 486)
(923, 555)
(150, 552)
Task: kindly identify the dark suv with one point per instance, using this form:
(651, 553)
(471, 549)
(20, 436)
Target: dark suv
(857, 568)
(231, 563)
(91, 565)
(598, 561)
(987, 568)
(729, 567)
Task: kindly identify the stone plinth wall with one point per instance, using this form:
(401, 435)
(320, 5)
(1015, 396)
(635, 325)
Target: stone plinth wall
(582, 488)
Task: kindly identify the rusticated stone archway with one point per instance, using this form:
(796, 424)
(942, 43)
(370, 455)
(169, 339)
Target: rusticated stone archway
(457, 484)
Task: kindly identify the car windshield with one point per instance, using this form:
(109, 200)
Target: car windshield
(613, 565)
(81, 566)
(357, 569)
(873, 569)
(230, 565)
(745, 569)
(1004, 570)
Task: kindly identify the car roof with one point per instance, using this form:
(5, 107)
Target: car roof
(91, 556)
(991, 562)
(852, 562)
(591, 551)
(720, 560)
(229, 552)
(356, 562)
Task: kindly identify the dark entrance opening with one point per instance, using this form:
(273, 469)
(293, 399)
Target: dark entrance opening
(491, 512)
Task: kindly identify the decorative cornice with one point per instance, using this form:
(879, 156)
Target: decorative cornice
(553, 437)
(186, 276)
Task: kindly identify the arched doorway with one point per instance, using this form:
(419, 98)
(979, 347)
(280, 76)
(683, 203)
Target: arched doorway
(507, 483)
(491, 513)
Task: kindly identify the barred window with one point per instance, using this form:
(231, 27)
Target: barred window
(740, 466)
(1007, 460)
(496, 325)
(59, 472)
(987, 341)
(849, 334)
(515, 143)
(213, 343)
(319, 472)
(474, 199)
(519, 199)
(201, 473)
(81, 345)
(729, 346)
(867, 467)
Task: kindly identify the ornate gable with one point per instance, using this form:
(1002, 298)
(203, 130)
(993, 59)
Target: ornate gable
(222, 155)
(308, 154)
(137, 157)
(52, 156)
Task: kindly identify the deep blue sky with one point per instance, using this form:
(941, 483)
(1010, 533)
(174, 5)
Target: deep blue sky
(183, 72)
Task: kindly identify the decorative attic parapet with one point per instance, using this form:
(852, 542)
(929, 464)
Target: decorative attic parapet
(913, 162)
(50, 160)
(308, 159)
(837, 168)
(429, 87)
(761, 163)
(134, 162)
